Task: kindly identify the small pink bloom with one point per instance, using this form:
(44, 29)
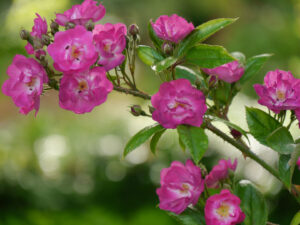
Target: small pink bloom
(281, 91)
(298, 163)
(81, 14)
(178, 102)
(80, 92)
(25, 83)
(223, 209)
(39, 28)
(219, 172)
(229, 72)
(73, 50)
(181, 185)
(110, 42)
(172, 28)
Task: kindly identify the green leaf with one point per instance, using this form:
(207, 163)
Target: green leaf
(201, 33)
(252, 203)
(296, 219)
(189, 217)
(155, 40)
(148, 55)
(231, 125)
(284, 169)
(155, 139)
(140, 137)
(208, 56)
(187, 73)
(164, 64)
(253, 65)
(281, 141)
(195, 139)
(269, 131)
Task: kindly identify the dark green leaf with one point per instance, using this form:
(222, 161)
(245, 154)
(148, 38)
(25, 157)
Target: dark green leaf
(195, 139)
(187, 73)
(201, 33)
(252, 203)
(140, 137)
(208, 56)
(189, 217)
(296, 219)
(269, 131)
(253, 65)
(148, 55)
(155, 139)
(164, 64)
(181, 144)
(156, 41)
(284, 169)
(281, 140)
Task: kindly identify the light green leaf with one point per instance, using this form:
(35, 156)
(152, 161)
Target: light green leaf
(148, 55)
(155, 139)
(140, 137)
(189, 217)
(195, 139)
(253, 65)
(187, 73)
(252, 203)
(208, 56)
(201, 33)
(164, 64)
(269, 131)
(296, 219)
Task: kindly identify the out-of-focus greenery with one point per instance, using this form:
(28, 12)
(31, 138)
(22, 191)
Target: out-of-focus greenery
(62, 168)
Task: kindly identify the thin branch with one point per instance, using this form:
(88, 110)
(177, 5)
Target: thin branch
(132, 92)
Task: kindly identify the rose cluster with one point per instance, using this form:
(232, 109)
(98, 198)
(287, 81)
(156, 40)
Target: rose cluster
(182, 185)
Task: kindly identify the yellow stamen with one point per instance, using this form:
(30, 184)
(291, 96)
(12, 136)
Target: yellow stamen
(82, 85)
(223, 210)
(185, 189)
(280, 95)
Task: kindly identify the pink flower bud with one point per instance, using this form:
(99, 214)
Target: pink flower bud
(81, 14)
(298, 163)
(281, 91)
(219, 172)
(178, 102)
(172, 28)
(80, 92)
(110, 42)
(25, 83)
(230, 72)
(223, 209)
(181, 185)
(73, 50)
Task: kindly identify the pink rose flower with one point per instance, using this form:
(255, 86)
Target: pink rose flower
(81, 14)
(172, 28)
(223, 209)
(219, 172)
(181, 185)
(281, 91)
(25, 83)
(178, 102)
(110, 42)
(73, 50)
(298, 163)
(229, 72)
(80, 92)
(39, 28)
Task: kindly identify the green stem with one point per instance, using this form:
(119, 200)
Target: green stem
(132, 92)
(247, 152)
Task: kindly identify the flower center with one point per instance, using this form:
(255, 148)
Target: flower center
(185, 188)
(82, 86)
(107, 47)
(176, 104)
(75, 52)
(223, 210)
(280, 95)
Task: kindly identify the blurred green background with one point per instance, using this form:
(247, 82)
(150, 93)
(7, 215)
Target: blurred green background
(61, 168)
